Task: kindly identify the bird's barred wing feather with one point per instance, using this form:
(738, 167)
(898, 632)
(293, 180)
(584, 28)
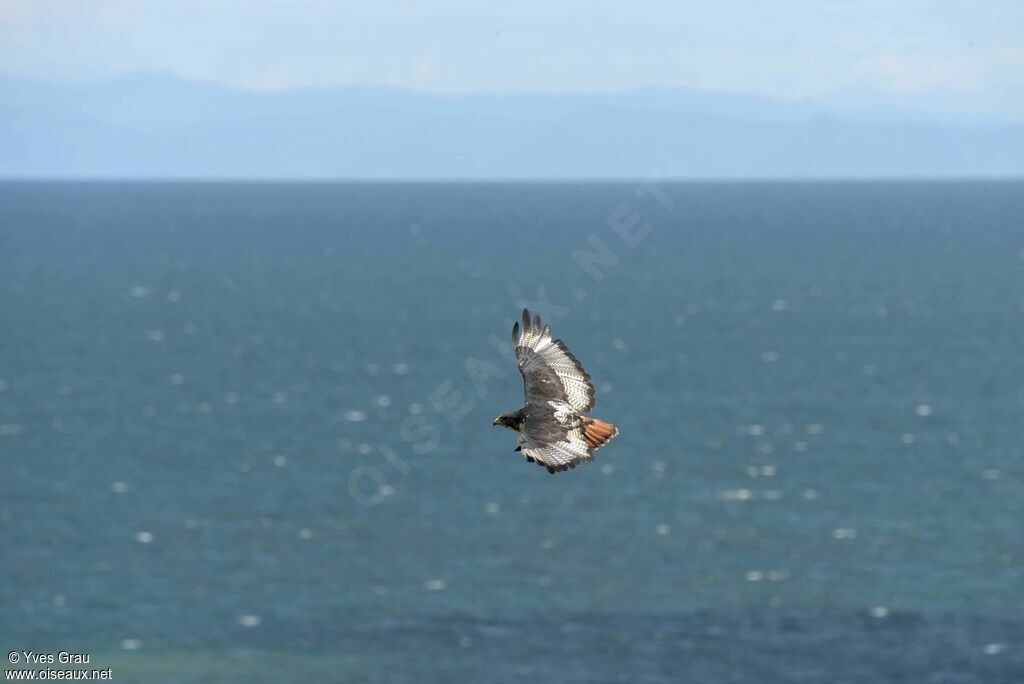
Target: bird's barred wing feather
(561, 454)
(550, 371)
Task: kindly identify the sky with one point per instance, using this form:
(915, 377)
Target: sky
(949, 56)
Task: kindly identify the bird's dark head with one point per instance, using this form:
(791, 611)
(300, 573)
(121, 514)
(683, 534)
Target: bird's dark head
(513, 420)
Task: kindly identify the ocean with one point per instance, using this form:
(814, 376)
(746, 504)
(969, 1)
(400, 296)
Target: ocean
(246, 431)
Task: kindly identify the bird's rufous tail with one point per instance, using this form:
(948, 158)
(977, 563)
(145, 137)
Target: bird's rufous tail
(598, 432)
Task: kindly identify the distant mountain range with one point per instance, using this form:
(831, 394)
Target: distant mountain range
(158, 126)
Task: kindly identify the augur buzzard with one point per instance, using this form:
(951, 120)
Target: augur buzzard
(553, 432)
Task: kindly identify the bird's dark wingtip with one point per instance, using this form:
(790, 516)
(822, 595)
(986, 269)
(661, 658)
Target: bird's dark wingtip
(526, 320)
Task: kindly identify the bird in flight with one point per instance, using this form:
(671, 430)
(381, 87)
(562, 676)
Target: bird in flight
(553, 430)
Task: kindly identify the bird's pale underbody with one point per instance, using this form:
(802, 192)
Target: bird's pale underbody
(553, 429)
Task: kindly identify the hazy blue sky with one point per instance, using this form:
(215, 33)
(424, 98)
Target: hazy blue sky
(948, 55)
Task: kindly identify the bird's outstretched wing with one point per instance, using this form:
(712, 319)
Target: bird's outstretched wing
(566, 453)
(550, 371)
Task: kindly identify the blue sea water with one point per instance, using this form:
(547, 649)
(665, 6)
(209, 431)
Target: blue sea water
(245, 432)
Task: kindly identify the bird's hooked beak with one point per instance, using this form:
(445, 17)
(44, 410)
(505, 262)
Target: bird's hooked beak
(508, 420)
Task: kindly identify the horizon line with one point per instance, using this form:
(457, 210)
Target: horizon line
(511, 180)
